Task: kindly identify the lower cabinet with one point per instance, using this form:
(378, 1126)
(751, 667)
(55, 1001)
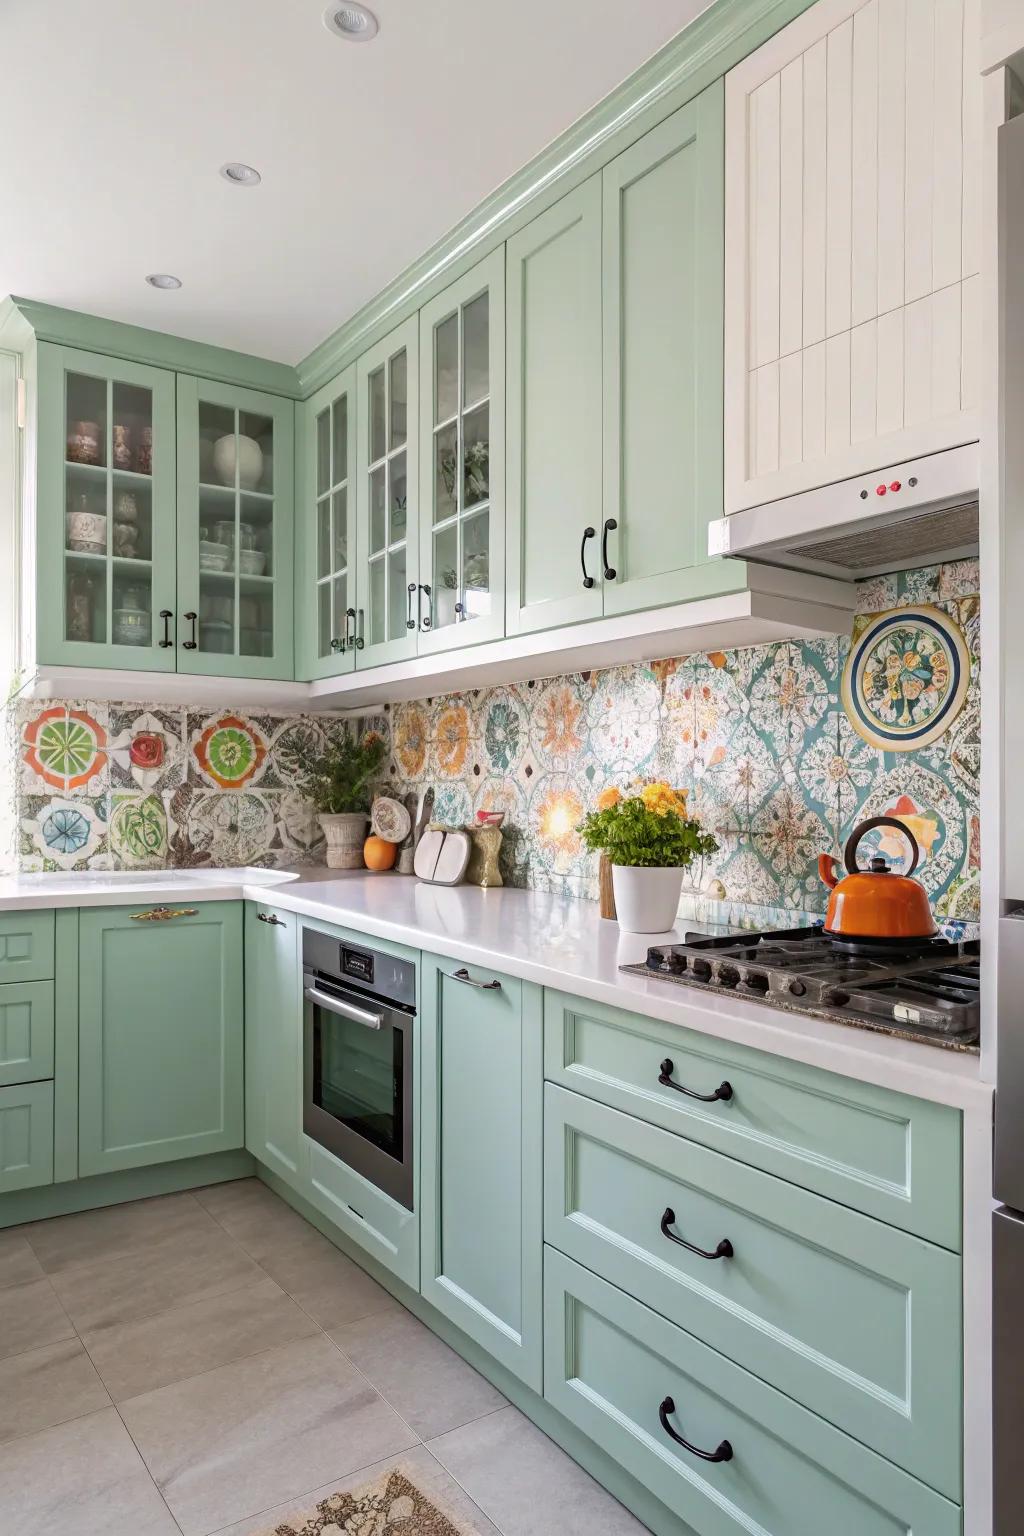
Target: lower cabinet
(26, 1136)
(273, 1041)
(481, 1158)
(160, 1034)
(726, 1452)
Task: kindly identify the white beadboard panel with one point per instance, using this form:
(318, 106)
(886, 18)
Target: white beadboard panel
(814, 403)
(791, 409)
(765, 390)
(946, 351)
(971, 115)
(814, 201)
(892, 162)
(889, 400)
(920, 120)
(839, 186)
(970, 330)
(837, 393)
(947, 148)
(764, 221)
(791, 200)
(864, 254)
(917, 370)
(864, 382)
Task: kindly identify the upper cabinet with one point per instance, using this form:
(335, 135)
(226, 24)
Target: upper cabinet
(235, 495)
(325, 542)
(105, 487)
(462, 465)
(387, 524)
(852, 244)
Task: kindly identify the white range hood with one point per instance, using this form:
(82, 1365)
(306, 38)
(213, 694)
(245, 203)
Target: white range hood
(915, 513)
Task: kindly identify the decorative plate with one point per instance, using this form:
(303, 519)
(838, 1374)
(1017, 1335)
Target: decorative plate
(906, 677)
(390, 819)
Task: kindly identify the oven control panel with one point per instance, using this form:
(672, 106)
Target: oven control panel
(357, 964)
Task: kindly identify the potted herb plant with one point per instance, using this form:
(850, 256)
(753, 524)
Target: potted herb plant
(649, 841)
(337, 779)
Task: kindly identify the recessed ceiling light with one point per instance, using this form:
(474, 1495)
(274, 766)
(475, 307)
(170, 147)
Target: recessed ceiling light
(352, 22)
(241, 175)
(163, 280)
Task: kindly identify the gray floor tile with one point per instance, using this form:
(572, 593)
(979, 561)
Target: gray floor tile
(429, 1384)
(31, 1315)
(47, 1386)
(526, 1484)
(324, 1282)
(255, 1217)
(153, 1352)
(83, 1478)
(114, 1231)
(419, 1466)
(249, 1435)
(139, 1284)
(17, 1261)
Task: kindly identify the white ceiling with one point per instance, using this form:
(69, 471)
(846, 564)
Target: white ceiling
(118, 114)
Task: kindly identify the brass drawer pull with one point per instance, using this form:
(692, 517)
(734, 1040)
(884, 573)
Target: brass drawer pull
(163, 914)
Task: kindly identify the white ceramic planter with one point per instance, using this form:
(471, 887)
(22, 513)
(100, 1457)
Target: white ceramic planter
(646, 900)
(345, 834)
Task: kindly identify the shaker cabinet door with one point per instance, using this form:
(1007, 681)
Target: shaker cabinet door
(273, 1041)
(325, 531)
(105, 508)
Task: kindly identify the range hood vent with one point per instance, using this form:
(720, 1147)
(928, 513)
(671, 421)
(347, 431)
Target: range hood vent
(919, 513)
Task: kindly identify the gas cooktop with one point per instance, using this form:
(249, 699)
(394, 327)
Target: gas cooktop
(927, 990)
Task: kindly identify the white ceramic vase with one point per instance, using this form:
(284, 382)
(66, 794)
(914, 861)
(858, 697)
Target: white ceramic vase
(345, 834)
(249, 455)
(646, 900)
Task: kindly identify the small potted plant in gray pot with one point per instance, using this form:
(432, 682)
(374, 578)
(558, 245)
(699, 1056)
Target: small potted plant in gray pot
(337, 778)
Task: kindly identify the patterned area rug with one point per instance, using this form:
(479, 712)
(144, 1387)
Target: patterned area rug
(389, 1506)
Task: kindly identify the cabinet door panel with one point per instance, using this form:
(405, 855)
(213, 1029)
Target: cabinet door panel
(160, 1035)
(325, 531)
(554, 414)
(26, 1032)
(663, 232)
(26, 1136)
(273, 1041)
(26, 946)
(235, 531)
(481, 1147)
(105, 494)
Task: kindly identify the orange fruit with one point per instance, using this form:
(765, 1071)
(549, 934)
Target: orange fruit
(378, 854)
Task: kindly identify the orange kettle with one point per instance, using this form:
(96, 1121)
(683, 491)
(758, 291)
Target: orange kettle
(874, 903)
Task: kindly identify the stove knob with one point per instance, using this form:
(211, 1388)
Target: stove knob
(797, 988)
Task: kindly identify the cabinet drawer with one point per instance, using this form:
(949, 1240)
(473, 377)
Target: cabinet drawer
(26, 1136)
(857, 1320)
(609, 1365)
(884, 1153)
(370, 1218)
(26, 946)
(26, 1032)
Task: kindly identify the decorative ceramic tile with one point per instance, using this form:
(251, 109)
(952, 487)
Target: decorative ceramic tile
(229, 751)
(64, 748)
(236, 827)
(138, 830)
(147, 749)
(906, 677)
(61, 833)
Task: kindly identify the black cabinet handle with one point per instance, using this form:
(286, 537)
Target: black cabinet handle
(166, 643)
(588, 533)
(485, 986)
(723, 1251)
(350, 615)
(410, 622)
(722, 1452)
(610, 525)
(358, 641)
(271, 918)
(190, 645)
(723, 1091)
(425, 620)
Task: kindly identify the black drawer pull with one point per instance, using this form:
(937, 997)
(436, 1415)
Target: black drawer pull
(485, 986)
(722, 1453)
(723, 1091)
(723, 1251)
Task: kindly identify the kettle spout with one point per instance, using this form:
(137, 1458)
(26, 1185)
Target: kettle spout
(827, 866)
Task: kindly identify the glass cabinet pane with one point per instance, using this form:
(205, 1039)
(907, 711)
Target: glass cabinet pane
(398, 404)
(332, 524)
(460, 578)
(378, 435)
(323, 453)
(387, 493)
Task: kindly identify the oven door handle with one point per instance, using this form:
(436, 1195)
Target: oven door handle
(346, 1010)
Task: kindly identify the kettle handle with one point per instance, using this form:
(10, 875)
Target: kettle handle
(850, 852)
(827, 866)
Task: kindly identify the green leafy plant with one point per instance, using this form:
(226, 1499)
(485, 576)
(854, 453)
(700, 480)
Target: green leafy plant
(646, 830)
(337, 778)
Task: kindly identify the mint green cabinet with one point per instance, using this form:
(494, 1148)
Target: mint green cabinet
(462, 461)
(387, 497)
(664, 248)
(273, 1041)
(26, 1136)
(325, 531)
(105, 511)
(26, 946)
(480, 1149)
(26, 1032)
(613, 1368)
(554, 415)
(235, 531)
(160, 1034)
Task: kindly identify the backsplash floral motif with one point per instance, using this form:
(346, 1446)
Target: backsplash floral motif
(759, 738)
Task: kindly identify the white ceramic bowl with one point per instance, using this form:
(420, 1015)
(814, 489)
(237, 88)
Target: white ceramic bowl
(251, 562)
(213, 557)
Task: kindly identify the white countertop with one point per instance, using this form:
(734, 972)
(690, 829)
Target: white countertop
(553, 940)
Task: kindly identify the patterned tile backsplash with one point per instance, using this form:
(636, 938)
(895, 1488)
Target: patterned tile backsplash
(759, 738)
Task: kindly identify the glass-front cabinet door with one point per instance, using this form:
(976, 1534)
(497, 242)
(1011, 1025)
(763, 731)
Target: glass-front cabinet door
(388, 594)
(462, 474)
(325, 543)
(235, 520)
(105, 512)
